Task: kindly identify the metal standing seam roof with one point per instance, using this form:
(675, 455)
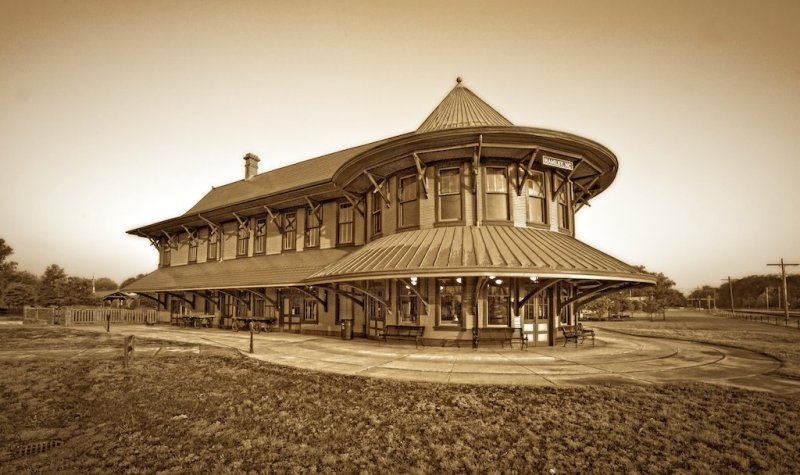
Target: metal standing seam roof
(473, 250)
(279, 270)
(462, 108)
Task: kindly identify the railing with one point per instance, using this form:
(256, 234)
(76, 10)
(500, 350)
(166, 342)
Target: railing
(88, 316)
(759, 317)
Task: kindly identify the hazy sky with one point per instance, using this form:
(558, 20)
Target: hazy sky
(116, 114)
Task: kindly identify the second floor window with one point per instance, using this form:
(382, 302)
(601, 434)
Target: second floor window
(346, 230)
(537, 203)
(496, 205)
(242, 239)
(377, 215)
(192, 247)
(563, 202)
(449, 194)
(212, 244)
(165, 255)
(313, 222)
(260, 236)
(409, 203)
(289, 231)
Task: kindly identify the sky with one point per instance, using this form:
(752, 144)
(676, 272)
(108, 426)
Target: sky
(117, 114)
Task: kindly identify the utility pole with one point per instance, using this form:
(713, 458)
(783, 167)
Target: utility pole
(766, 294)
(730, 287)
(785, 290)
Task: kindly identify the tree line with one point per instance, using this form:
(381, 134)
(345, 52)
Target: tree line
(653, 299)
(753, 291)
(54, 287)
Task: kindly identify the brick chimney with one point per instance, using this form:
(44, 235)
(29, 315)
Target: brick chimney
(250, 166)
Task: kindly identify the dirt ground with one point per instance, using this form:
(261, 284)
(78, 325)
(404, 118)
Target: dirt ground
(210, 410)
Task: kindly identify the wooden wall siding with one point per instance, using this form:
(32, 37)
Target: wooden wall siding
(180, 256)
(359, 226)
(300, 237)
(229, 241)
(427, 207)
(469, 197)
(273, 237)
(552, 205)
(519, 209)
(327, 233)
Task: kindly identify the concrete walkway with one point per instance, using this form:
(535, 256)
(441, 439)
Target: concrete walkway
(615, 358)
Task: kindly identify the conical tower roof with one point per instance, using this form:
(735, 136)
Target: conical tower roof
(462, 108)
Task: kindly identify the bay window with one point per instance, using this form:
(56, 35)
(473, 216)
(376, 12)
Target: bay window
(449, 194)
(537, 203)
(260, 240)
(346, 218)
(290, 231)
(313, 222)
(408, 196)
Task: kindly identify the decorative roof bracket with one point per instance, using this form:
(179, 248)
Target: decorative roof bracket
(243, 222)
(170, 240)
(315, 207)
(355, 201)
(191, 232)
(379, 187)
(527, 170)
(274, 218)
(421, 169)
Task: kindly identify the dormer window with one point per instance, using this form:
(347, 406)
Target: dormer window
(537, 202)
(313, 222)
(290, 231)
(496, 205)
(192, 246)
(449, 194)
(212, 244)
(260, 236)
(408, 196)
(243, 239)
(346, 230)
(562, 198)
(165, 254)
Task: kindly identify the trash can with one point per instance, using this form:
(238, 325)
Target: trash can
(347, 329)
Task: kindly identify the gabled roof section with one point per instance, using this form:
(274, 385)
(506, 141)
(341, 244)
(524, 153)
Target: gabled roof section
(462, 108)
(305, 173)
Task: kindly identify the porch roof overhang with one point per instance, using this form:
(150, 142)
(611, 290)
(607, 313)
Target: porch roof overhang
(279, 270)
(479, 251)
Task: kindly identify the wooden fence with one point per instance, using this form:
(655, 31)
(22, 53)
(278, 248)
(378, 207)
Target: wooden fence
(87, 316)
(759, 317)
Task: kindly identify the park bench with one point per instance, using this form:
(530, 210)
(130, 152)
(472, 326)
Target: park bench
(403, 331)
(576, 333)
(260, 324)
(498, 334)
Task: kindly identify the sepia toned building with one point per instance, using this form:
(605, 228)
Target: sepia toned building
(468, 222)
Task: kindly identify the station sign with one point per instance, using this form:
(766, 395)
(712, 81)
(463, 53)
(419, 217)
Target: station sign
(557, 163)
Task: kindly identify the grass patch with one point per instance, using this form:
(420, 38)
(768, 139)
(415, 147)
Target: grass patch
(222, 412)
(777, 341)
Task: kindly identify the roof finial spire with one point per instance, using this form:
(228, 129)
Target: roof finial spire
(458, 80)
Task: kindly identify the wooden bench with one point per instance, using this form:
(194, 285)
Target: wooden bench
(498, 334)
(576, 333)
(403, 331)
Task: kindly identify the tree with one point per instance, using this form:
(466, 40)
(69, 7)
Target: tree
(7, 268)
(52, 286)
(18, 295)
(76, 291)
(104, 283)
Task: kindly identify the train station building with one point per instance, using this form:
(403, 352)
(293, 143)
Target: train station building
(466, 223)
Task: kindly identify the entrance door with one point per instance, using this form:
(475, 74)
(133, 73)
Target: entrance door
(534, 323)
(376, 313)
(291, 312)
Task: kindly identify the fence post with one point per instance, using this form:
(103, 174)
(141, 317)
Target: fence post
(127, 350)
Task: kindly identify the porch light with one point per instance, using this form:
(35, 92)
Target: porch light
(534, 278)
(491, 277)
(498, 281)
(458, 279)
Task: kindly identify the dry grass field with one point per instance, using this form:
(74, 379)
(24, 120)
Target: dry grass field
(220, 412)
(774, 340)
